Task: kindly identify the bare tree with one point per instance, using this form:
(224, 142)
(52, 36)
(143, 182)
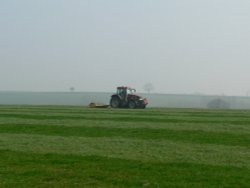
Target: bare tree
(248, 93)
(148, 87)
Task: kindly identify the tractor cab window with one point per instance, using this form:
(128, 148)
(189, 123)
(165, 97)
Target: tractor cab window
(131, 91)
(125, 91)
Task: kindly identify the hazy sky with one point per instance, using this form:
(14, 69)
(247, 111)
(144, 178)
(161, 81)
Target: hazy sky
(180, 46)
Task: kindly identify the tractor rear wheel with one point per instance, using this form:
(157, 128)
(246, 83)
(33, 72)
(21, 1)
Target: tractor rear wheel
(115, 102)
(131, 104)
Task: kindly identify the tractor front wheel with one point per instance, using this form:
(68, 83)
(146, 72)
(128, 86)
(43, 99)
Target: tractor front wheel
(143, 106)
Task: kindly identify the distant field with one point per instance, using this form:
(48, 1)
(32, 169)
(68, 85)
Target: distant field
(69, 146)
(84, 98)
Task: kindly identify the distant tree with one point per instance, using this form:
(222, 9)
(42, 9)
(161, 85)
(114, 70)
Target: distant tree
(248, 93)
(218, 104)
(72, 89)
(148, 87)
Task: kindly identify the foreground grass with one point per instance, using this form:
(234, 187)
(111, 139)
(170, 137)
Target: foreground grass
(42, 170)
(63, 146)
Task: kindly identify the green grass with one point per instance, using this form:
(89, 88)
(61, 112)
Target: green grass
(68, 146)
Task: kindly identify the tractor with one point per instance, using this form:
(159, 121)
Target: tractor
(125, 97)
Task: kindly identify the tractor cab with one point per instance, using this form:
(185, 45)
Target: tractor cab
(124, 91)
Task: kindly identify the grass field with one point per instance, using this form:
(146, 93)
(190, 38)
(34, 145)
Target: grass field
(67, 146)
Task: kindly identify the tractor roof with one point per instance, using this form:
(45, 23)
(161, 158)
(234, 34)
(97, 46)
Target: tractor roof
(124, 87)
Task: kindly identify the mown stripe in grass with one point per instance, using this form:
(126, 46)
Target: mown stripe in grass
(207, 127)
(20, 169)
(192, 136)
(148, 112)
(135, 119)
(130, 148)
